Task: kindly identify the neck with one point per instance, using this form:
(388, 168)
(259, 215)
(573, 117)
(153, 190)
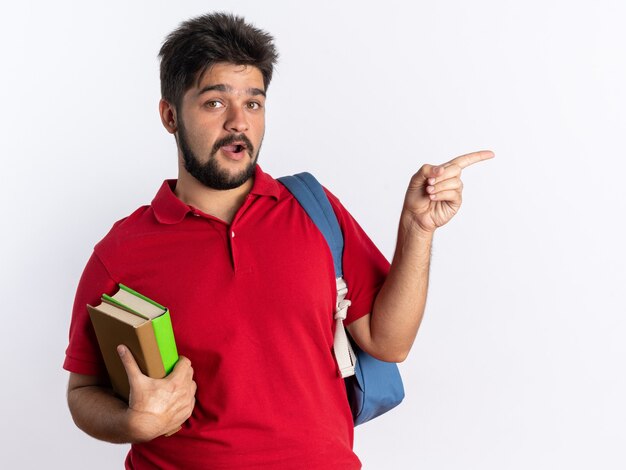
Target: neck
(222, 204)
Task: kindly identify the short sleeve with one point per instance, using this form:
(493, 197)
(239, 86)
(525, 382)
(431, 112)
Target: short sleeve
(364, 266)
(83, 354)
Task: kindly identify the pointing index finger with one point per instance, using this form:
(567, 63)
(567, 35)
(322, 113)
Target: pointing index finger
(470, 158)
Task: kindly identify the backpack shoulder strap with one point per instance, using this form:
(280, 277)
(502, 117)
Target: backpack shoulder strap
(311, 196)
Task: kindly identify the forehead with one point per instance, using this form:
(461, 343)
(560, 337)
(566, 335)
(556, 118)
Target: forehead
(236, 77)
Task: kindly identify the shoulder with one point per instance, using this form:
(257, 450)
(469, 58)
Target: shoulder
(144, 219)
(298, 182)
(127, 227)
(335, 202)
(125, 236)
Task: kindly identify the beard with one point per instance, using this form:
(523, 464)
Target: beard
(210, 174)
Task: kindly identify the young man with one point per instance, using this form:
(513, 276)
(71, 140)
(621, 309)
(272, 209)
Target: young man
(249, 281)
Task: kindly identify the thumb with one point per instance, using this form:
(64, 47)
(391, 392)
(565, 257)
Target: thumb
(132, 369)
(419, 179)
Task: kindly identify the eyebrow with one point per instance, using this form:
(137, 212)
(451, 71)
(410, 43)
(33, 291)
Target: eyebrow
(229, 89)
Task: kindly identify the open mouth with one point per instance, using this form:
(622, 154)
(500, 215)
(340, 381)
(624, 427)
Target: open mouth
(234, 148)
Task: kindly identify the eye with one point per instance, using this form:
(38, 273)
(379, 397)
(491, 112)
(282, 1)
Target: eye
(254, 105)
(213, 104)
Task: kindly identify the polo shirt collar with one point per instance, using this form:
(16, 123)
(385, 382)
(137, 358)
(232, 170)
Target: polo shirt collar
(264, 184)
(168, 209)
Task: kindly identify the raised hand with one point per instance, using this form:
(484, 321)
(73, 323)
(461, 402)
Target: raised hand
(158, 407)
(435, 192)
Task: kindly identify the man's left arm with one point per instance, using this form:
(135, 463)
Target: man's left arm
(434, 196)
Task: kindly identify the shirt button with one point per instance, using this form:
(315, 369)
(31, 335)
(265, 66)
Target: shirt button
(232, 234)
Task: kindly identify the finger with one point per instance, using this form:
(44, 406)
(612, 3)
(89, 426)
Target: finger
(132, 369)
(447, 185)
(470, 158)
(183, 365)
(186, 406)
(182, 369)
(451, 195)
(452, 171)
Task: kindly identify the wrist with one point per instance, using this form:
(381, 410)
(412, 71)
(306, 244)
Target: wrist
(140, 426)
(410, 227)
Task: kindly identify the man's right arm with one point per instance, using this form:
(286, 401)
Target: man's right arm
(156, 406)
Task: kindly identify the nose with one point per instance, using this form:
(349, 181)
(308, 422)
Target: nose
(236, 120)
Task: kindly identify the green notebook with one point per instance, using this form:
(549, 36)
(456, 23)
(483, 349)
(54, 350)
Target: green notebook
(142, 325)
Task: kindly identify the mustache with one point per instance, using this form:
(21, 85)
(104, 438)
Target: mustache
(230, 139)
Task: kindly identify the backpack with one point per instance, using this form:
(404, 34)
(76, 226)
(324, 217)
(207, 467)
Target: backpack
(373, 386)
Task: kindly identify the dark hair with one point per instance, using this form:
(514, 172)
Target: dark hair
(199, 43)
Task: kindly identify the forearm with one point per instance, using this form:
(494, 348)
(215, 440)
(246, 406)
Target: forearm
(156, 407)
(99, 413)
(399, 306)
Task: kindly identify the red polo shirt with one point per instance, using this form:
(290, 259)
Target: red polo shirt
(252, 308)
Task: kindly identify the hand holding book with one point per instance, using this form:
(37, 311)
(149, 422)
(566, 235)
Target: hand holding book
(158, 406)
(137, 343)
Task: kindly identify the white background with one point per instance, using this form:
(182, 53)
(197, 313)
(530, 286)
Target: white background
(519, 363)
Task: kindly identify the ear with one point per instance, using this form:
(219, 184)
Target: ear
(168, 116)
